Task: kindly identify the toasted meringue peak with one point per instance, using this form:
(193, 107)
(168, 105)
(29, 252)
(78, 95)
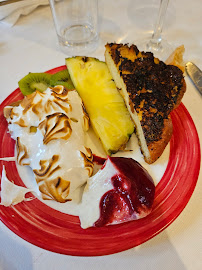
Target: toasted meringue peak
(60, 92)
(55, 189)
(55, 126)
(48, 167)
(22, 153)
(51, 185)
(33, 103)
(21, 123)
(88, 160)
(86, 119)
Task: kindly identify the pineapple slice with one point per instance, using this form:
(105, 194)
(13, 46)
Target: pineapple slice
(108, 114)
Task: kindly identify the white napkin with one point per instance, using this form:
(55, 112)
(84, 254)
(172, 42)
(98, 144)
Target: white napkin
(10, 13)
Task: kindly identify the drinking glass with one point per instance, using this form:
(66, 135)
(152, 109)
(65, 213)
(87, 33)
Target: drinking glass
(158, 46)
(76, 24)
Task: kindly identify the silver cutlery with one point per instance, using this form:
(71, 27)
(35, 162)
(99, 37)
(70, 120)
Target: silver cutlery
(195, 74)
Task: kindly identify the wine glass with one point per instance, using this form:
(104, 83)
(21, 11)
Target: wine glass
(158, 46)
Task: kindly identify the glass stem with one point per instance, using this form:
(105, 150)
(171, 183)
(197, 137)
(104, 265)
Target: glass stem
(156, 36)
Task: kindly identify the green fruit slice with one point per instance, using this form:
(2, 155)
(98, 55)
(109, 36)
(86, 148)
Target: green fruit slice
(34, 81)
(62, 78)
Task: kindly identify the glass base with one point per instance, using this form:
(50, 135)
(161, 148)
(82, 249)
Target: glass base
(161, 50)
(78, 40)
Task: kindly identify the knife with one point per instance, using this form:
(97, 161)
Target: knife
(195, 74)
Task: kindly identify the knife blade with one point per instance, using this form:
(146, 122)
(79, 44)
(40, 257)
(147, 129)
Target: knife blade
(195, 74)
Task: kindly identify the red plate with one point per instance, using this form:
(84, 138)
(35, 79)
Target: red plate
(52, 230)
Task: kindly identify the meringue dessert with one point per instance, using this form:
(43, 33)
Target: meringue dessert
(11, 194)
(49, 130)
(121, 191)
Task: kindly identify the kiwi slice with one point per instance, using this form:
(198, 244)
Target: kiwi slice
(62, 78)
(34, 81)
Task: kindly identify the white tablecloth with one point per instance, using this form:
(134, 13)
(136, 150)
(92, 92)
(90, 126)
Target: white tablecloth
(31, 46)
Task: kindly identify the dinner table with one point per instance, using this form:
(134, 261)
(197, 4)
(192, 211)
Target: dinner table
(28, 43)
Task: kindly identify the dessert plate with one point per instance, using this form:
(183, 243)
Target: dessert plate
(52, 230)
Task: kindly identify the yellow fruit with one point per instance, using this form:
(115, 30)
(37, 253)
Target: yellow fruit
(108, 114)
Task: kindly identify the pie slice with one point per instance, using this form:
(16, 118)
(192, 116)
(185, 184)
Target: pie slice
(151, 90)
